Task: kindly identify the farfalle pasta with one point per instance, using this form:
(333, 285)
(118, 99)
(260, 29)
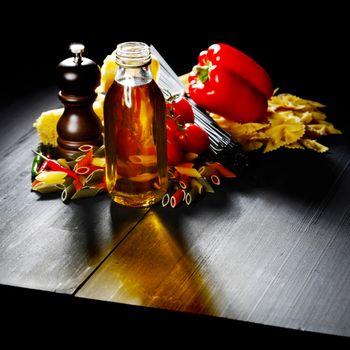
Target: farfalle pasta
(292, 122)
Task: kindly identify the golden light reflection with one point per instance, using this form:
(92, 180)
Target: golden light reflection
(152, 268)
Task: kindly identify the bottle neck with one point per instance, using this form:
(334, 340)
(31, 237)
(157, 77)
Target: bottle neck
(133, 76)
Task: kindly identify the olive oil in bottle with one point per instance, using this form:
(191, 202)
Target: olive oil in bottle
(135, 130)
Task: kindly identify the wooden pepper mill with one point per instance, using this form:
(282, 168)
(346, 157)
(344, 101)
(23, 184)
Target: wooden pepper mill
(78, 77)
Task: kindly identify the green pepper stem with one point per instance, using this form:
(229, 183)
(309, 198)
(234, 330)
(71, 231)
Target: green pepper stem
(202, 72)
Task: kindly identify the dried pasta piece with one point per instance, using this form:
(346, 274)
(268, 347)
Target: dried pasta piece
(285, 129)
(292, 102)
(51, 177)
(206, 185)
(94, 177)
(100, 152)
(177, 198)
(86, 148)
(63, 162)
(314, 145)
(43, 187)
(285, 101)
(317, 115)
(68, 192)
(191, 195)
(143, 177)
(86, 192)
(221, 169)
(146, 160)
(316, 130)
(185, 165)
(271, 146)
(330, 129)
(313, 104)
(99, 161)
(305, 117)
(198, 185)
(252, 145)
(294, 145)
(191, 172)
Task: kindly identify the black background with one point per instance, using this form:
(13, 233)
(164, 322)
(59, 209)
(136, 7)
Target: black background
(302, 47)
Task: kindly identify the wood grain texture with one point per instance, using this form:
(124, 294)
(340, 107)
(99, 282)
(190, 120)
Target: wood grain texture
(272, 248)
(46, 244)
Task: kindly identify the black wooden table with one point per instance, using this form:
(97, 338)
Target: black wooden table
(269, 248)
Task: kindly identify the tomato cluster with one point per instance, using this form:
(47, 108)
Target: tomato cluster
(183, 136)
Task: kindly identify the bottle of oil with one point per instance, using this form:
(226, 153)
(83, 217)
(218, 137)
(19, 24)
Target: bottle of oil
(135, 130)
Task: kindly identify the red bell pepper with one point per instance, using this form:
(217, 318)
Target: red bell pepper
(229, 83)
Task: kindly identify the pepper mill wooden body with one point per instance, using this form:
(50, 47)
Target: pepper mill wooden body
(78, 78)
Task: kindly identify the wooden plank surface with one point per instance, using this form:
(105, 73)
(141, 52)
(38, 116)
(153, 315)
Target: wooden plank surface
(272, 248)
(46, 244)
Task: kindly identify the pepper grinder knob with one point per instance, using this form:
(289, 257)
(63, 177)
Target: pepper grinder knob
(78, 78)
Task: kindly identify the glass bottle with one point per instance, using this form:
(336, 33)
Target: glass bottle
(135, 130)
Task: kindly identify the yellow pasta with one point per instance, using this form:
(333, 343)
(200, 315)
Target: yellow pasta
(195, 183)
(191, 172)
(99, 161)
(314, 145)
(146, 160)
(63, 162)
(51, 177)
(143, 177)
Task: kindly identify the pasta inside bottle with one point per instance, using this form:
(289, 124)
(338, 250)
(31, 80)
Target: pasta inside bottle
(135, 131)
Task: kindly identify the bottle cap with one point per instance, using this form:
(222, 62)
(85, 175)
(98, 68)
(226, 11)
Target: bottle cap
(133, 54)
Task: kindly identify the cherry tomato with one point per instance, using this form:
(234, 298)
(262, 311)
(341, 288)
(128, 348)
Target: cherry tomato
(182, 110)
(174, 151)
(126, 143)
(175, 131)
(171, 127)
(197, 140)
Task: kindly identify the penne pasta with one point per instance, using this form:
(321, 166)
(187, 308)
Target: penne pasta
(215, 179)
(222, 170)
(198, 185)
(206, 184)
(86, 192)
(86, 148)
(63, 162)
(166, 200)
(99, 152)
(184, 181)
(191, 195)
(177, 198)
(143, 177)
(146, 160)
(94, 177)
(51, 177)
(68, 192)
(188, 171)
(206, 171)
(99, 161)
(42, 187)
(185, 165)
